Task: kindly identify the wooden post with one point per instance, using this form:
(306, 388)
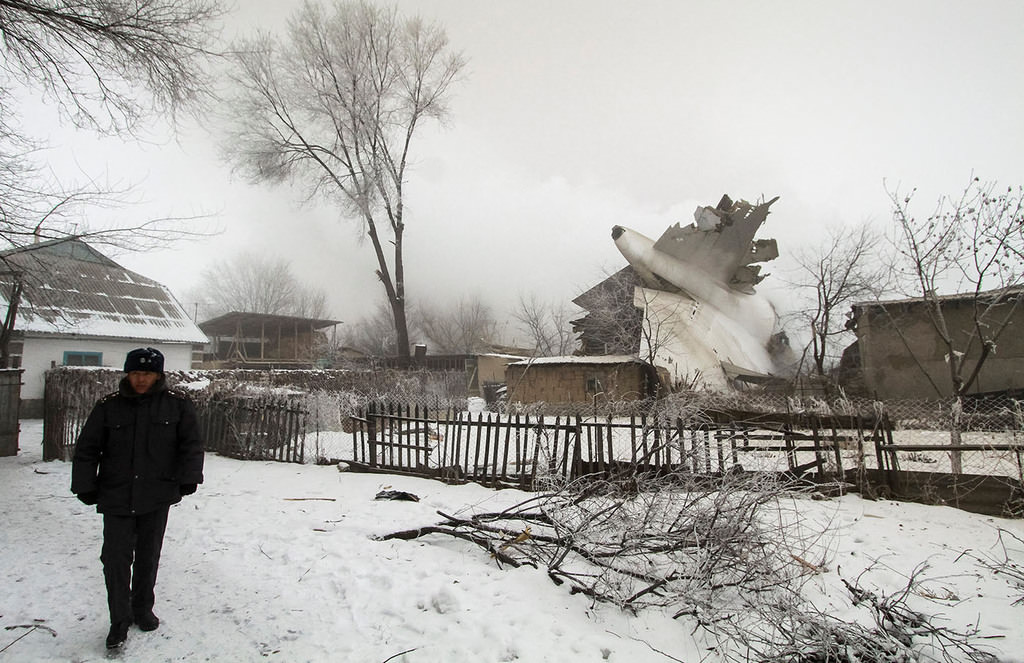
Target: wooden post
(371, 432)
(532, 483)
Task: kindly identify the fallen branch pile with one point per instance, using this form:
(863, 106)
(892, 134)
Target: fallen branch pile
(725, 555)
(643, 542)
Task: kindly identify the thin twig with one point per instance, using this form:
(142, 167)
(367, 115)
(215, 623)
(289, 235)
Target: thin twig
(30, 627)
(401, 653)
(649, 645)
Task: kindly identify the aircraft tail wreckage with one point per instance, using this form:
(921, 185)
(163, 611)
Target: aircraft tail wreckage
(706, 322)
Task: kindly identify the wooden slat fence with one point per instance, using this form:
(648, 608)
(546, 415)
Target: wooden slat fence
(69, 398)
(266, 426)
(10, 401)
(525, 451)
(521, 451)
(254, 427)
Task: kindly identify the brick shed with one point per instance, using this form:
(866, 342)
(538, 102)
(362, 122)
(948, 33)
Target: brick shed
(577, 379)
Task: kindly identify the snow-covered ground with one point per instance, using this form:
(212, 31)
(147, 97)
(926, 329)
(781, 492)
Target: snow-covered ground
(277, 562)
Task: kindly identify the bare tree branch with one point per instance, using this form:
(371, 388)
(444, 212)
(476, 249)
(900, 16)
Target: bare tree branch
(92, 57)
(548, 325)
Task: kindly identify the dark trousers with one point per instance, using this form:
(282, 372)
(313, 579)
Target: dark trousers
(130, 556)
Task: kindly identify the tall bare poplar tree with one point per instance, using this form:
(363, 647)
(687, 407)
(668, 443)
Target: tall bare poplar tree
(334, 105)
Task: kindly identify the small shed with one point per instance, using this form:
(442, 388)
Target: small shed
(581, 379)
(261, 340)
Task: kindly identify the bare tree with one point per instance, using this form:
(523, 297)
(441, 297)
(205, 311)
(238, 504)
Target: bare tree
(658, 330)
(844, 269)
(548, 325)
(310, 302)
(257, 284)
(971, 244)
(335, 106)
(107, 63)
(464, 327)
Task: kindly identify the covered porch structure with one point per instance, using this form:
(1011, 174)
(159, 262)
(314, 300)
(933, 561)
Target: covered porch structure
(260, 340)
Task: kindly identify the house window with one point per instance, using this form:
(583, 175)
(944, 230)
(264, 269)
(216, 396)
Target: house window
(75, 358)
(593, 385)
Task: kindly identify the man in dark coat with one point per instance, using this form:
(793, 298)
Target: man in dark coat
(139, 452)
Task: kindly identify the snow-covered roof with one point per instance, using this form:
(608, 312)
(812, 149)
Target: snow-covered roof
(71, 288)
(984, 295)
(501, 355)
(578, 359)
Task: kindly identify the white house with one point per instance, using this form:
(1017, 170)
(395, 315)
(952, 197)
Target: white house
(79, 308)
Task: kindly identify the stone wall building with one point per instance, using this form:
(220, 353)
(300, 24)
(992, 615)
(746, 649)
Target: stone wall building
(900, 354)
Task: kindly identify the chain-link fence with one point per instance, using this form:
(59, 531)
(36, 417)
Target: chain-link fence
(984, 435)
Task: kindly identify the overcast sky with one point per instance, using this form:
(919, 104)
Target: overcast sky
(574, 116)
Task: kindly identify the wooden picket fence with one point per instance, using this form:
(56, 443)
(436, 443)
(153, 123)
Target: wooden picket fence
(522, 450)
(528, 451)
(254, 427)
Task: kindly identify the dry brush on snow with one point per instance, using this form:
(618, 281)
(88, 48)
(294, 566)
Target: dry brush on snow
(729, 559)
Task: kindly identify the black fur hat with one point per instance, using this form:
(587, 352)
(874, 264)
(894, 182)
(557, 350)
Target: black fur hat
(144, 359)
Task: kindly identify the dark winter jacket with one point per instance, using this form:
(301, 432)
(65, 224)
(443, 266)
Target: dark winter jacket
(137, 450)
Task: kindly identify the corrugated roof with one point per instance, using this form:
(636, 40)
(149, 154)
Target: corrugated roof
(71, 288)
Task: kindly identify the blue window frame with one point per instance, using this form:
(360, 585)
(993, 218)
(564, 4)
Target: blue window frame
(78, 358)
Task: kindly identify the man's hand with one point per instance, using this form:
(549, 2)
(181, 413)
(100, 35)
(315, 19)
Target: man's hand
(88, 497)
(187, 488)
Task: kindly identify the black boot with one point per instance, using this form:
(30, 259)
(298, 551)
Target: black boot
(117, 635)
(147, 621)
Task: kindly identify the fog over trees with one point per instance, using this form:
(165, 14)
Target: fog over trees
(256, 284)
